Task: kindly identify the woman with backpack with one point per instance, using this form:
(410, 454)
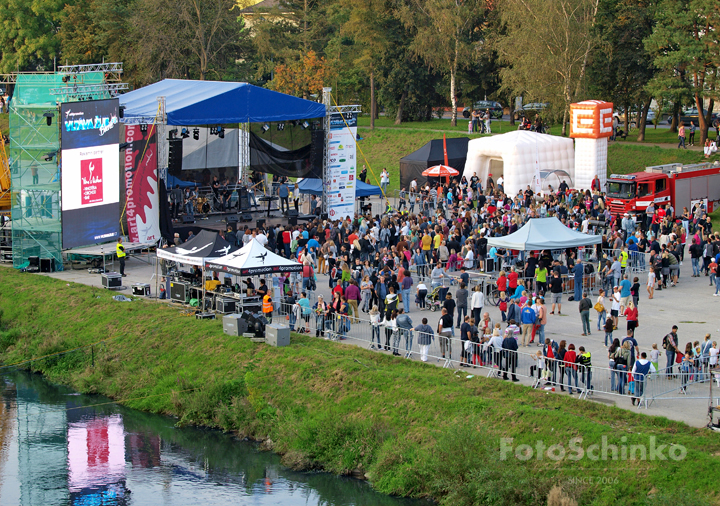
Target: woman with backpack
(622, 359)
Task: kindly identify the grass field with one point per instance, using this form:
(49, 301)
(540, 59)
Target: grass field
(383, 147)
(413, 429)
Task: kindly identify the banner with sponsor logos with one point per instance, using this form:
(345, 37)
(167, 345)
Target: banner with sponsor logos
(90, 177)
(341, 166)
(142, 204)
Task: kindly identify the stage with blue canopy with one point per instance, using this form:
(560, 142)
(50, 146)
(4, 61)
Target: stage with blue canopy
(191, 103)
(313, 186)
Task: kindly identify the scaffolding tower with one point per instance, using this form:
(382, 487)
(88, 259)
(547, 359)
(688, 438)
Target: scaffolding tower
(35, 163)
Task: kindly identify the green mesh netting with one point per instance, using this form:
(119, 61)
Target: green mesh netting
(34, 164)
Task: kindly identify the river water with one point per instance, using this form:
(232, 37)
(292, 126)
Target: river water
(56, 448)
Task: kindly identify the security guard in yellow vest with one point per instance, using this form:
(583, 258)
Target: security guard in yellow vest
(623, 259)
(267, 307)
(120, 251)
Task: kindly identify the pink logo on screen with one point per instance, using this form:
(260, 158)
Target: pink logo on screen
(91, 181)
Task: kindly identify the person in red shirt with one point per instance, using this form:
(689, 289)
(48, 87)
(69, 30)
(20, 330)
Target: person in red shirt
(287, 239)
(571, 367)
(502, 281)
(512, 280)
(338, 289)
(631, 312)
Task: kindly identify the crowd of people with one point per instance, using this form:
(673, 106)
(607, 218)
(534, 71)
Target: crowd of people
(391, 266)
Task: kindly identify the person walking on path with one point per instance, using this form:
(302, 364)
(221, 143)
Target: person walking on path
(584, 307)
(681, 136)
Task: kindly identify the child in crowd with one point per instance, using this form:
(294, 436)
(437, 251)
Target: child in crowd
(503, 305)
(539, 367)
(655, 356)
(609, 327)
(635, 290)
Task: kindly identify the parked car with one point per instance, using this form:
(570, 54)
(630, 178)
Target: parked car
(496, 108)
(634, 117)
(689, 115)
(530, 110)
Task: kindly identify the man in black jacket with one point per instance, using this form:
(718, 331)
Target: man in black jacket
(510, 347)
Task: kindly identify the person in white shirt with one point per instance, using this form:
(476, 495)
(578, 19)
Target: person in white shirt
(384, 181)
(477, 303)
(261, 238)
(469, 259)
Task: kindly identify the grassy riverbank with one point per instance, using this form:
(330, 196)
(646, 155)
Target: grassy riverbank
(412, 429)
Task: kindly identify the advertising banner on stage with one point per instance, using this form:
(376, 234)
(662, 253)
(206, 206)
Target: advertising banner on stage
(342, 166)
(90, 172)
(142, 205)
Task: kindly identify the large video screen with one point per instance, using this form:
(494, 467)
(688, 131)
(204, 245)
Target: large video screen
(90, 170)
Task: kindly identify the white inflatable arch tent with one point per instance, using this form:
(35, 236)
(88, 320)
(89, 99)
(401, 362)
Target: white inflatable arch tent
(514, 156)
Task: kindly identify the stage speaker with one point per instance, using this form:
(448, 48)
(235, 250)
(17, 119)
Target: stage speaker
(232, 218)
(175, 156)
(317, 148)
(246, 217)
(260, 223)
(34, 262)
(244, 199)
(292, 212)
(323, 216)
(188, 219)
(292, 220)
(47, 264)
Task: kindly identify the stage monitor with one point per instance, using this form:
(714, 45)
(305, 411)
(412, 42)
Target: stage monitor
(90, 172)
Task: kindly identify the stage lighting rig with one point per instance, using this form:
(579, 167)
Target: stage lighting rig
(305, 124)
(48, 115)
(185, 133)
(196, 134)
(143, 127)
(265, 128)
(221, 132)
(172, 133)
(281, 127)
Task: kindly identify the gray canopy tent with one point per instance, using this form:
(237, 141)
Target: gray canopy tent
(544, 233)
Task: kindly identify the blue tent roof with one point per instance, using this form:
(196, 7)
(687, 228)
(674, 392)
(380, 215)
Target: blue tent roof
(189, 103)
(314, 187)
(172, 181)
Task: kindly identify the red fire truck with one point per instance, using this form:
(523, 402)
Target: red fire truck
(676, 184)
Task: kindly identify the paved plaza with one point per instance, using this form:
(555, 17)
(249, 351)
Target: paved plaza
(690, 305)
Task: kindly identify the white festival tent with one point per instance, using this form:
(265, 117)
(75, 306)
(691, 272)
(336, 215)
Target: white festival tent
(522, 155)
(194, 252)
(544, 233)
(251, 260)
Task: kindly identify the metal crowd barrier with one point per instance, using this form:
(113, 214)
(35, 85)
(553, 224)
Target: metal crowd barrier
(452, 352)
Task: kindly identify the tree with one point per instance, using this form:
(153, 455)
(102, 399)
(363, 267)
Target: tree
(621, 69)
(442, 35)
(545, 47)
(28, 34)
(302, 78)
(186, 38)
(685, 44)
(93, 30)
(372, 28)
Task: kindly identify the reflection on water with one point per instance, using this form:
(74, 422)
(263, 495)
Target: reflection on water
(54, 449)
